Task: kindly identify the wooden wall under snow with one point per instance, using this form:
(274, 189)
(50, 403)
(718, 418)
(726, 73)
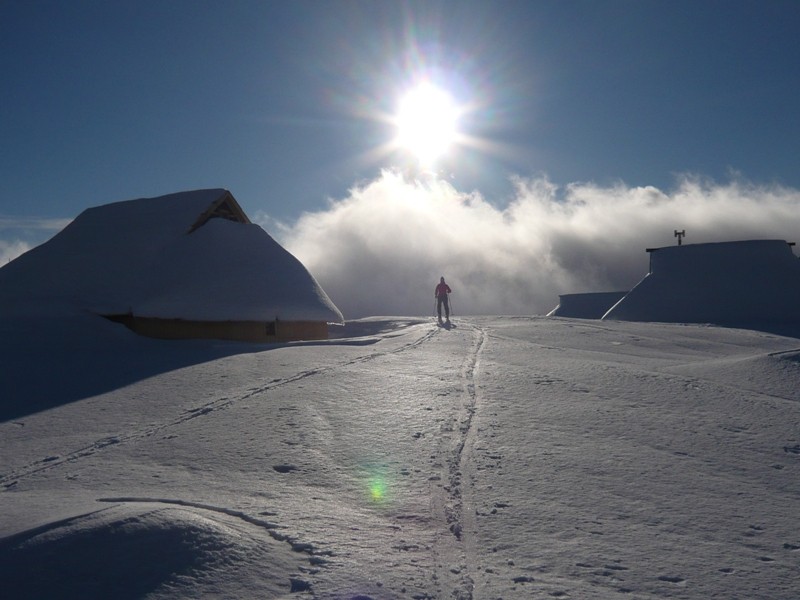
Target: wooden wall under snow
(242, 331)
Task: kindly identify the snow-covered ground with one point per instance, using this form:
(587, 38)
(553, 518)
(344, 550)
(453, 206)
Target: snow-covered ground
(503, 458)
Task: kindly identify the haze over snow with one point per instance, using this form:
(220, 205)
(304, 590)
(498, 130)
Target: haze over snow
(382, 249)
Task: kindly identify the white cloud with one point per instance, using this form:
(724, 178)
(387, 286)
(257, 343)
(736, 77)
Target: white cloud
(23, 233)
(11, 250)
(276, 227)
(382, 249)
(33, 223)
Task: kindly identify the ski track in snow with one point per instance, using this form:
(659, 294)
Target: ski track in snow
(455, 563)
(50, 462)
(455, 507)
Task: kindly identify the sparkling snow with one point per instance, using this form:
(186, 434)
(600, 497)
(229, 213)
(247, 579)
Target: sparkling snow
(503, 458)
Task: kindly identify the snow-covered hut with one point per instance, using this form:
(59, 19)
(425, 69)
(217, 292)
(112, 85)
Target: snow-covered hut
(741, 283)
(184, 265)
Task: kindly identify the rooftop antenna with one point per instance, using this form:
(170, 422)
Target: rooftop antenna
(679, 235)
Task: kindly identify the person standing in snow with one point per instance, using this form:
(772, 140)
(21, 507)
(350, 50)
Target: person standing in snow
(441, 292)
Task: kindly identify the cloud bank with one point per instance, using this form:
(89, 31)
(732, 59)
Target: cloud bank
(9, 250)
(26, 232)
(381, 250)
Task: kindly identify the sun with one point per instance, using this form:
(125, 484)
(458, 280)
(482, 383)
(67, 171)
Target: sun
(427, 123)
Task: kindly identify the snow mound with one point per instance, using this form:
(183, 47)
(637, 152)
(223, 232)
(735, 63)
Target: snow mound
(135, 551)
(726, 283)
(145, 257)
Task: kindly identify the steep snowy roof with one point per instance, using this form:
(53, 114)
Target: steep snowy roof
(166, 257)
(754, 281)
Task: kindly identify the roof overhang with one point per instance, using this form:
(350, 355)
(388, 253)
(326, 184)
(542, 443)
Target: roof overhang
(224, 207)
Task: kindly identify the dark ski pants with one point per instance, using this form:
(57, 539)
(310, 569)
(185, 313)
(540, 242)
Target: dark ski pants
(442, 300)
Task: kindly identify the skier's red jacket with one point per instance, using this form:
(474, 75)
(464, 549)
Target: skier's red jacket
(442, 289)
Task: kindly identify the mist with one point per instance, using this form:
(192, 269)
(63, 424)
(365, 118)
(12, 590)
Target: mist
(382, 249)
(9, 250)
(20, 234)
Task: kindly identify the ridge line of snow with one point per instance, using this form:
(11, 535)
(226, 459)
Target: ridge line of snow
(238, 514)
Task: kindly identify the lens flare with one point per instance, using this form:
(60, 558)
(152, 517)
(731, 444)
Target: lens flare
(377, 488)
(376, 483)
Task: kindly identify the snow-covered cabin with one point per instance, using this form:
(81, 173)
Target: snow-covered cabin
(184, 265)
(727, 283)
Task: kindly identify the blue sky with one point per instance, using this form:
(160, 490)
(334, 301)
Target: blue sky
(287, 104)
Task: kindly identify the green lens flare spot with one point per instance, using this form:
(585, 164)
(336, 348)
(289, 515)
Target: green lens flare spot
(377, 489)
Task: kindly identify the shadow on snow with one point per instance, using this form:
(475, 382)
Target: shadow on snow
(45, 363)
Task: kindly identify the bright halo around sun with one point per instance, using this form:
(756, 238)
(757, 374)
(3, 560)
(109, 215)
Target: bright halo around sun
(427, 123)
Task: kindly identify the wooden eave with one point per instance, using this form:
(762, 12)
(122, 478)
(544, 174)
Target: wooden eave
(224, 207)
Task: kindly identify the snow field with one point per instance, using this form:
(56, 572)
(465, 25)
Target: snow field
(504, 458)
(632, 479)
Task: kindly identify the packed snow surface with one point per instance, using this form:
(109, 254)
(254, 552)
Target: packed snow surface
(497, 458)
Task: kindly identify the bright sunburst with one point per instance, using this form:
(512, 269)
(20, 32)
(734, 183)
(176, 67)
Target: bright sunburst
(427, 123)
